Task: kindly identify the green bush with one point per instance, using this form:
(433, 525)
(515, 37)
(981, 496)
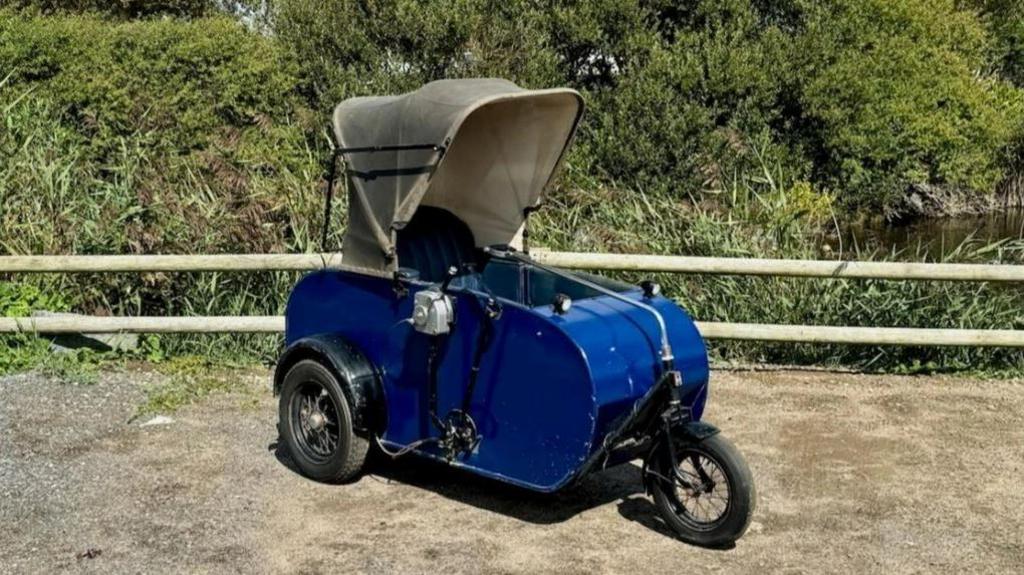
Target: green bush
(682, 115)
(159, 136)
(170, 83)
(1005, 20)
(896, 95)
(120, 8)
(868, 99)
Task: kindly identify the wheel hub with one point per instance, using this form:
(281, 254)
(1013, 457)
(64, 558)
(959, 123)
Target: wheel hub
(317, 421)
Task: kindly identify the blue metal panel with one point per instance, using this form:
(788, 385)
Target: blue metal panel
(534, 402)
(622, 343)
(549, 388)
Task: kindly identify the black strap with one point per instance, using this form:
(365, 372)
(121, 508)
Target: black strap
(439, 148)
(332, 173)
(393, 172)
(436, 342)
(491, 310)
(526, 227)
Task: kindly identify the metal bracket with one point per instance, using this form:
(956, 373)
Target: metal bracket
(394, 172)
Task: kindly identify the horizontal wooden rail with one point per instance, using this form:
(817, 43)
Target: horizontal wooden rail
(862, 335)
(791, 268)
(177, 324)
(710, 330)
(648, 263)
(168, 263)
(590, 261)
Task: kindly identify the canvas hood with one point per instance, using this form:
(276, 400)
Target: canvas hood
(483, 149)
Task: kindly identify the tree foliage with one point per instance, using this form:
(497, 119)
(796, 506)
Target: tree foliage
(1005, 21)
(120, 8)
(897, 94)
(867, 99)
(172, 82)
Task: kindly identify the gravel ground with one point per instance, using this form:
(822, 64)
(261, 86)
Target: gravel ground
(854, 472)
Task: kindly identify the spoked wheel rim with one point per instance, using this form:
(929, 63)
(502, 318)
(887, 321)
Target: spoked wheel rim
(315, 421)
(701, 490)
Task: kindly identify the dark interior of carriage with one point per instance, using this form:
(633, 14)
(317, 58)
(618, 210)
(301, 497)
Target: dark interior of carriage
(436, 240)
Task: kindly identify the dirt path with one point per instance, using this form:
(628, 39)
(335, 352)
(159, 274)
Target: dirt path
(854, 472)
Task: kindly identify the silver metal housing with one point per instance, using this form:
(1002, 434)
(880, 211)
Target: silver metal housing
(432, 312)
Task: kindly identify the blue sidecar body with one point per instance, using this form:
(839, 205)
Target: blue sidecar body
(552, 386)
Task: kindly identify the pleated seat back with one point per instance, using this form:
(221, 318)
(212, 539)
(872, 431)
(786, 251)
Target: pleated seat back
(433, 241)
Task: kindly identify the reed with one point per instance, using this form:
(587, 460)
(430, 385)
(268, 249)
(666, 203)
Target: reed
(765, 225)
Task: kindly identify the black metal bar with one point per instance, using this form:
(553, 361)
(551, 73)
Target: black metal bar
(332, 173)
(437, 342)
(373, 149)
(391, 173)
(491, 310)
(526, 227)
(643, 413)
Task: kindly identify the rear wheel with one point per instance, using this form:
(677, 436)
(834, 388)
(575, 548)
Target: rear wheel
(708, 496)
(315, 422)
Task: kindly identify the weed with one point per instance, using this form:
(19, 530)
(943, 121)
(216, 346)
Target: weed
(190, 379)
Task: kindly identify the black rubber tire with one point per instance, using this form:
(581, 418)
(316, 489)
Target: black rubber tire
(742, 496)
(348, 458)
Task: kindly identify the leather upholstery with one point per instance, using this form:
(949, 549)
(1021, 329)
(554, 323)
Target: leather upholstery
(434, 240)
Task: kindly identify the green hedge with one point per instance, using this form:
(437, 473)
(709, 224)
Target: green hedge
(121, 8)
(866, 99)
(154, 136)
(172, 81)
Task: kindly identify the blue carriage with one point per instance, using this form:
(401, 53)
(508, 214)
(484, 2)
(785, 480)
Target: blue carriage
(438, 335)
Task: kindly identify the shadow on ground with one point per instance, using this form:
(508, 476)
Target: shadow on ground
(622, 484)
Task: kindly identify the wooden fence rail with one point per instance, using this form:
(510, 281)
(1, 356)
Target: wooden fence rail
(168, 263)
(711, 330)
(649, 263)
(633, 262)
(789, 268)
(174, 324)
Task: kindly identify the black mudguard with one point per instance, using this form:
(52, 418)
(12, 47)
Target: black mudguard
(695, 430)
(358, 377)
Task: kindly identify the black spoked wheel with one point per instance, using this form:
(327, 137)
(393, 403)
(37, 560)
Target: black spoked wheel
(316, 424)
(317, 415)
(705, 492)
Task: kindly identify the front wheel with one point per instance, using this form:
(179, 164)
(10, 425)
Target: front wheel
(703, 490)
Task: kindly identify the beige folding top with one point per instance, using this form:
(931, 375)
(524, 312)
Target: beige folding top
(499, 146)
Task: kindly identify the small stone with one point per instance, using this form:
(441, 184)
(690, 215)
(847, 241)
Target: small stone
(158, 420)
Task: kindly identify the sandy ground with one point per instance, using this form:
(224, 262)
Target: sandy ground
(854, 473)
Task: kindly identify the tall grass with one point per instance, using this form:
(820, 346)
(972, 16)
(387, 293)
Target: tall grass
(763, 215)
(238, 197)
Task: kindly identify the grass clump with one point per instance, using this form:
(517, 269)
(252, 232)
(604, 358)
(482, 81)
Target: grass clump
(26, 352)
(74, 367)
(190, 379)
